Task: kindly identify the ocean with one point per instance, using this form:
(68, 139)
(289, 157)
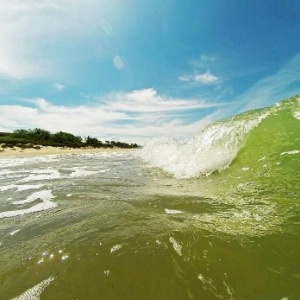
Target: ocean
(213, 217)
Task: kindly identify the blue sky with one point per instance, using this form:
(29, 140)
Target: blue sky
(138, 69)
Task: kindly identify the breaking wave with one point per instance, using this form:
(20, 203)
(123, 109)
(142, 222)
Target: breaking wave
(219, 144)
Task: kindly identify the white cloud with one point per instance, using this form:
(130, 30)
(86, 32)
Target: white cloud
(31, 32)
(21, 27)
(204, 79)
(132, 116)
(147, 100)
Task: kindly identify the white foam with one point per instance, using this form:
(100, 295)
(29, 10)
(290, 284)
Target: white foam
(213, 149)
(35, 292)
(19, 161)
(81, 172)
(20, 187)
(6, 187)
(28, 187)
(45, 196)
(177, 247)
(245, 169)
(173, 211)
(40, 175)
(290, 152)
(14, 232)
(297, 115)
(115, 248)
(263, 158)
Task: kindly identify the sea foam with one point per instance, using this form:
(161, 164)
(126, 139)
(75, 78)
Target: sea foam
(40, 175)
(35, 292)
(20, 187)
(45, 196)
(213, 149)
(290, 152)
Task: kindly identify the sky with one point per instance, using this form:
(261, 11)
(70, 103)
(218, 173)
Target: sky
(138, 69)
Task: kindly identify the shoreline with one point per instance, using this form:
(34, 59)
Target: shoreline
(49, 150)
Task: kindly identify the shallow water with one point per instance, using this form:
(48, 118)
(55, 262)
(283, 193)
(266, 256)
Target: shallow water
(216, 217)
(118, 229)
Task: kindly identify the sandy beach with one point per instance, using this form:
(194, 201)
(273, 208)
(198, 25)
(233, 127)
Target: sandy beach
(16, 151)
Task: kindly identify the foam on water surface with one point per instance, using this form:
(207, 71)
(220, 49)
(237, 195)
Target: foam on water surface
(290, 152)
(23, 161)
(45, 196)
(176, 246)
(14, 232)
(19, 187)
(42, 175)
(296, 113)
(115, 248)
(173, 211)
(83, 172)
(35, 292)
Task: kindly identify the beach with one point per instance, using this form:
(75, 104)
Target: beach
(49, 150)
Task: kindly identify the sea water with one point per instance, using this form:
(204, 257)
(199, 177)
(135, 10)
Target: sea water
(214, 217)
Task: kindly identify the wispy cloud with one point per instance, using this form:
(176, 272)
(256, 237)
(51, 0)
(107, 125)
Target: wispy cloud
(147, 100)
(204, 78)
(135, 115)
(273, 88)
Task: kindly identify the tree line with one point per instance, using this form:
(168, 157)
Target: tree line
(32, 138)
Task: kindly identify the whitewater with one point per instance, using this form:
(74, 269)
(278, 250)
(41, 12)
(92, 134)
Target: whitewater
(213, 217)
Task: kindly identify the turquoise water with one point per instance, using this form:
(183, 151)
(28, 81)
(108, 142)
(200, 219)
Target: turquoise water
(214, 217)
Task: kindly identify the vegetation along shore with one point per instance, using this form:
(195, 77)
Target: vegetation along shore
(27, 141)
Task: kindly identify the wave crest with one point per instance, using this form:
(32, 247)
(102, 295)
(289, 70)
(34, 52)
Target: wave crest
(211, 150)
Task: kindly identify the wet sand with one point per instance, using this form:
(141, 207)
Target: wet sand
(16, 151)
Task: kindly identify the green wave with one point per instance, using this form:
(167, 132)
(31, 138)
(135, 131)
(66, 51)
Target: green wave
(250, 163)
(270, 158)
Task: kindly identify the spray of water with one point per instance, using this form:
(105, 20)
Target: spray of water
(211, 150)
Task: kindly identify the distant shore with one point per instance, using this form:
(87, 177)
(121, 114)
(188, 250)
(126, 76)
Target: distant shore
(48, 150)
